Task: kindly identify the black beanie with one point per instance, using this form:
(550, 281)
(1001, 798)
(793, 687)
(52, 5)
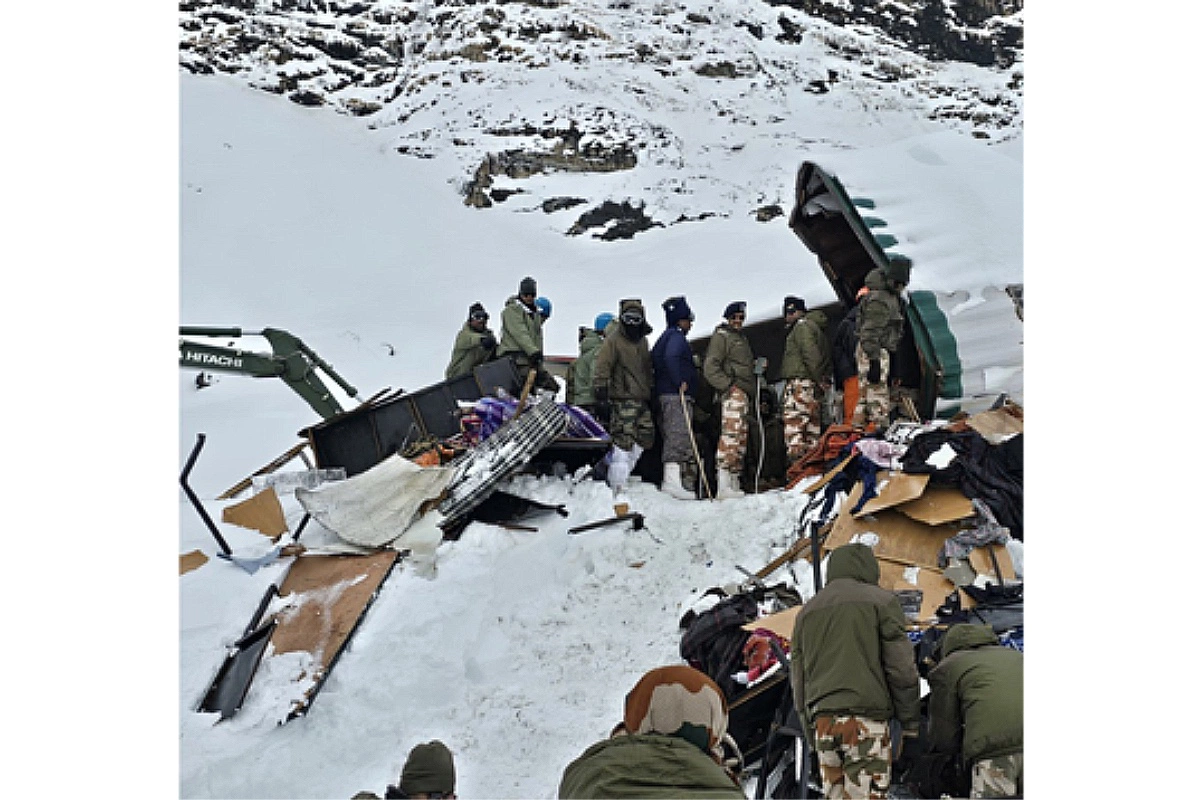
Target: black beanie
(476, 308)
(528, 286)
(792, 303)
(677, 309)
(736, 307)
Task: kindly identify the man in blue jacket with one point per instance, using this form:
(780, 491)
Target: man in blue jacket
(674, 384)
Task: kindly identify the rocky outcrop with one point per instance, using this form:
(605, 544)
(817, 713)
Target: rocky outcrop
(431, 71)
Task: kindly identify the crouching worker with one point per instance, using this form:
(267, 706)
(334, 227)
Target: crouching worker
(976, 694)
(668, 745)
(853, 671)
(428, 773)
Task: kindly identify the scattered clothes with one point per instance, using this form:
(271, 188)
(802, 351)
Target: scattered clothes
(992, 473)
(962, 543)
(883, 453)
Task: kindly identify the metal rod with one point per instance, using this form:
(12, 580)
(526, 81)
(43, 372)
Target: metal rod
(191, 462)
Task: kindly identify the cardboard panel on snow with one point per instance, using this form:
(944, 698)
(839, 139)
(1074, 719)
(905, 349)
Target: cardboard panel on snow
(329, 593)
(262, 513)
(191, 561)
(933, 585)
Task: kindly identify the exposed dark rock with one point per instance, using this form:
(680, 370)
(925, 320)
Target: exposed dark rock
(768, 213)
(561, 203)
(619, 220)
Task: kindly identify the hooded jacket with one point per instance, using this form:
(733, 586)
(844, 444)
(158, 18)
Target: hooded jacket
(623, 364)
(646, 765)
(729, 361)
(976, 695)
(673, 365)
(520, 331)
(579, 374)
(880, 320)
(806, 352)
(850, 654)
(469, 352)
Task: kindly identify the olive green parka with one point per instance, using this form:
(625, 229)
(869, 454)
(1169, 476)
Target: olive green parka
(729, 361)
(806, 351)
(648, 765)
(469, 352)
(880, 318)
(976, 695)
(623, 365)
(850, 654)
(579, 374)
(520, 331)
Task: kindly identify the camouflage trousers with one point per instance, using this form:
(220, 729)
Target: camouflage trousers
(631, 423)
(674, 424)
(735, 430)
(855, 755)
(874, 399)
(999, 777)
(801, 416)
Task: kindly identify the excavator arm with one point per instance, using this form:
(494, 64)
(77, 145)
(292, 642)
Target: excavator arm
(290, 360)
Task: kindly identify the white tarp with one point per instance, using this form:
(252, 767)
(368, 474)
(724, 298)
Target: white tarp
(374, 508)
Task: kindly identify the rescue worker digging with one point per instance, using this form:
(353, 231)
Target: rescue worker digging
(521, 335)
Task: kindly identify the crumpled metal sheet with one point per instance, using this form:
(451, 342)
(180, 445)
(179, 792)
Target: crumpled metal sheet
(499, 457)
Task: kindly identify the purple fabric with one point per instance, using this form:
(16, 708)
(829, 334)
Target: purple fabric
(494, 412)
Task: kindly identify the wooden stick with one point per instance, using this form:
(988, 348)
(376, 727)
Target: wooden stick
(695, 449)
(828, 476)
(529, 379)
(241, 485)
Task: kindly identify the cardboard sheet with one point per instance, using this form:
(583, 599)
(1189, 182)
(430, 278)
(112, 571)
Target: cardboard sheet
(329, 593)
(937, 505)
(933, 585)
(191, 561)
(262, 513)
(894, 488)
(900, 536)
(997, 425)
(779, 623)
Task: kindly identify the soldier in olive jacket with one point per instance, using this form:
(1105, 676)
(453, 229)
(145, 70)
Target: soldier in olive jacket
(623, 382)
(521, 335)
(729, 369)
(976, 696)
(852, 671)
(806, 368)
(474, 345)
(880, 326)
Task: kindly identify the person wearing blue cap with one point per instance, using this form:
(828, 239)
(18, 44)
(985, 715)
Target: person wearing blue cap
(579, 373)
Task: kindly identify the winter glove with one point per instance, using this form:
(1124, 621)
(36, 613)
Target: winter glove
(487, 342)
(536, 359)
(603, 408)
(874, 371)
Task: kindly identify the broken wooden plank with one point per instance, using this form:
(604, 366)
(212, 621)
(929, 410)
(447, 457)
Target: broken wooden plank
(242, 485)
(819, 484)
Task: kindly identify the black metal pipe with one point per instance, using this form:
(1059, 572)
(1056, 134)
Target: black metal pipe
(191, 462)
